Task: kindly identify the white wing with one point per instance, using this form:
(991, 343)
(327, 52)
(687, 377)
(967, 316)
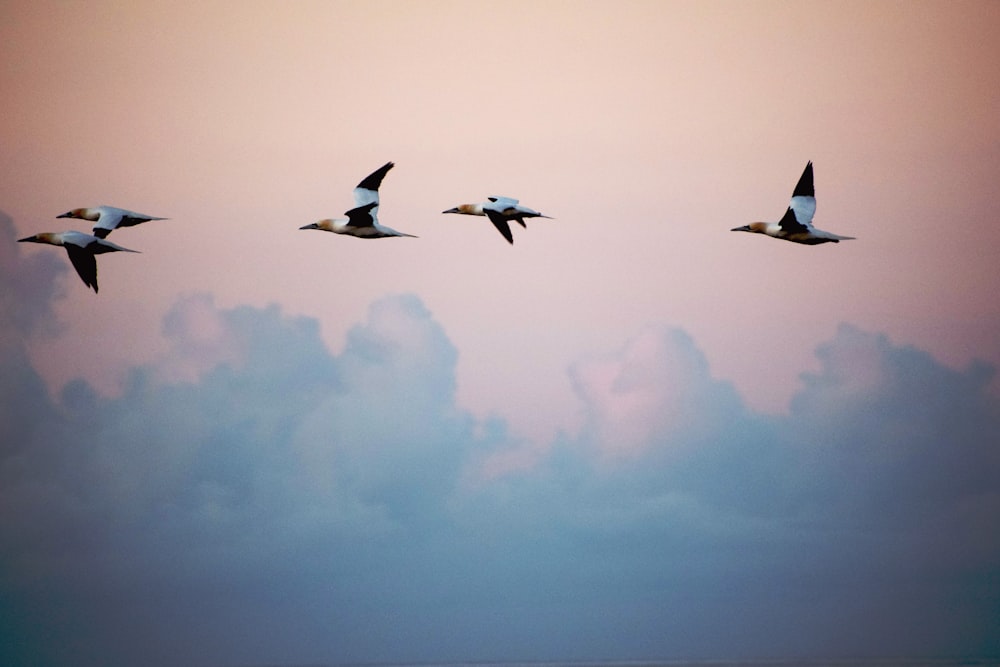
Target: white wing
(804, 209)
(109, 218)
(503, 205)
(367, 190)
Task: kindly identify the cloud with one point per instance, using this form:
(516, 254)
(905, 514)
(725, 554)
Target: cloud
(393, 435)
(31, 283)
(274, 501)
(201, 339)
(656, 389)
(30, 286)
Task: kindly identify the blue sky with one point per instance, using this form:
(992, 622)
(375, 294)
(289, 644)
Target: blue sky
(288, 504)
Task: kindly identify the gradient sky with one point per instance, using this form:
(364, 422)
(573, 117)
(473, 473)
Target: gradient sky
(632, 434)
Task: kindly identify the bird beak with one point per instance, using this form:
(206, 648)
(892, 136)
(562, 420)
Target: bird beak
(451, 210)
(312, 226)
(29, 239)
(744, 228)
(64, 215)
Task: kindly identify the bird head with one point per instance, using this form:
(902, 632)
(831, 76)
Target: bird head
(323, 225)
(79, 213)
(39, 238)
(465, 209)
(752, 227)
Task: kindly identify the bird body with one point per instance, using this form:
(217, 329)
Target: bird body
(82, 250)
(362, 220)
(500, 211)
(796, 224)
(108, 218)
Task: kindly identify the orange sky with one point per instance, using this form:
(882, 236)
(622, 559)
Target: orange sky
(647, 129)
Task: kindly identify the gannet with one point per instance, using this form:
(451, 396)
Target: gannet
(82, 249)
(362, 220)
(796, 225)
(500, 210)
(108, 218)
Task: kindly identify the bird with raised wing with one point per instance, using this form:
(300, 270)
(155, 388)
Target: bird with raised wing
(362, 220)
(796, 224)
(108, 218)
(82, 250)
(500, 211)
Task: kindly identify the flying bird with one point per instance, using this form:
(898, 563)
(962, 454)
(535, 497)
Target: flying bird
(500, 211)
(108, 218)
(796, 224)
(82, 249)
(362, 220)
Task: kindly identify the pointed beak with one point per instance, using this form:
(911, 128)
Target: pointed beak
(64, 215)
(312, 226)
(29, 239)
(451, 210)
(744, 228)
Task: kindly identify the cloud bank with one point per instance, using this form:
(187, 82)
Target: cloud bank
(256, 498)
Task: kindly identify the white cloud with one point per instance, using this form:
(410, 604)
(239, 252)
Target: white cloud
(657, 389)
(200, 340)
(288, 504)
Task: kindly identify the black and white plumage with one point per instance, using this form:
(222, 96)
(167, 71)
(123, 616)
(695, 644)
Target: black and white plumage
(108, 218)
(82, 250)
(362, 220)
(796, 224)
(501, 211)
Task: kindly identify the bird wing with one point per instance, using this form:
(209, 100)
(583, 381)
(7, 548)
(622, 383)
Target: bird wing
(367, 190)
(108, 221)
(362, 216)
(798, 217)
(500, 222)
(98, 246)
(85, 264)
(502, 205)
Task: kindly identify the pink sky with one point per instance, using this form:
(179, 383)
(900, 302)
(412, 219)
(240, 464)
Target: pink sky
(647, 129)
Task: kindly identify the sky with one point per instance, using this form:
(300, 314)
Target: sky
(631, 434)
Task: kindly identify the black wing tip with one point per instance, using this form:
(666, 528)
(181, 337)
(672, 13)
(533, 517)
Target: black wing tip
(373, 180)
(804, 188)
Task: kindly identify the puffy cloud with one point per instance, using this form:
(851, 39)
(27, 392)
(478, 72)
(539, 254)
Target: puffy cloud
(31, 283)
(896, 430)
(272, 458)
(278, 502)
(657, 388)
(200, 338)
(393, 434)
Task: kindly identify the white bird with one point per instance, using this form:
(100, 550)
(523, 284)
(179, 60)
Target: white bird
(108, 218)
(362, 220)
(796, 225)
(82, 249)
(500, 210)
